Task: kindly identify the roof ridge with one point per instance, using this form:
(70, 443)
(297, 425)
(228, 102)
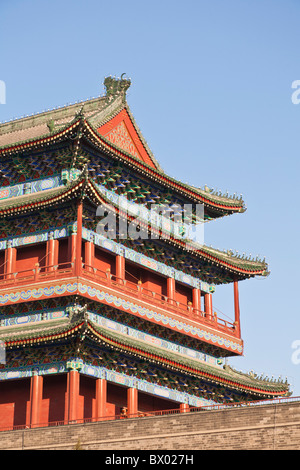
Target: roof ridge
(16, 123)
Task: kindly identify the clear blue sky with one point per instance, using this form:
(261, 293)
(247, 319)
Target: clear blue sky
(211, 93)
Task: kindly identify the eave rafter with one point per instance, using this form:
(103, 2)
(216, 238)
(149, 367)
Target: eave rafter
(28, 203)
(218, 258)
(152, 173)
(84, 187)
(84, 329)
(81, 130)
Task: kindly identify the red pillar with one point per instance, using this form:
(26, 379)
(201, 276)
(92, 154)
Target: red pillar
(36, 394)
(197, 300)
(78, 256)
(101, 398)
(10, 259)
(132, 402)
(208, 305)
(89, 250)
(237, 307)
(184, 408)
(171, 289)
(52, 253)
(72, 248)
(120, 268)
(72, 395)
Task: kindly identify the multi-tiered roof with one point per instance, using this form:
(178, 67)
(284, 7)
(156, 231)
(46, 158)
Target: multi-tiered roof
(94, 152)
(46, 144)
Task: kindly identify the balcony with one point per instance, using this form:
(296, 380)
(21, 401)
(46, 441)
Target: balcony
(48, 276)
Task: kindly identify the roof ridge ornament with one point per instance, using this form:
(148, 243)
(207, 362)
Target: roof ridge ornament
(80, 114)
(51, 125)
(116, 86)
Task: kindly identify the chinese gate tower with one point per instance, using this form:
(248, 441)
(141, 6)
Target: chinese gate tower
(94, 324)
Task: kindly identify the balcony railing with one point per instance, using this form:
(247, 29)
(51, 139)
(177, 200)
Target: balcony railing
(105, 278)
(154, 298)
(36, 274)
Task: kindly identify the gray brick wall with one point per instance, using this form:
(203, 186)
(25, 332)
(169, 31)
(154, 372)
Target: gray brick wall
(269, 427)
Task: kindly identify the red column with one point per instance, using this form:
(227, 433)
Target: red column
(237, 307)
(52, 253)
(72, 395)
(72, 248)
(132, 402)
(197, 300)
(101, 398)
(120, 268)
(10, 259)
(208, 305)
(78, 256)
(184, 408)
(89, 250)
(171, 289)
(36, 394)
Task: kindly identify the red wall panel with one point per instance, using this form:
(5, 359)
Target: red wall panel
(28, 256)
(14, 401)
(104, 261)
(87, 396)
(2, 261)
(148, 402)
(63, 254)
(154, 282)
(116, 398)
(53, 402)
(183, 294)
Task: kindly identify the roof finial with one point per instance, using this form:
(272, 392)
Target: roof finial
(116, 86)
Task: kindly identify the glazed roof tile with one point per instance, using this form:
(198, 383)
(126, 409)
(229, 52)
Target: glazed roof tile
(84, 186)
(47, 331)
(33, 127)
(15, 134)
